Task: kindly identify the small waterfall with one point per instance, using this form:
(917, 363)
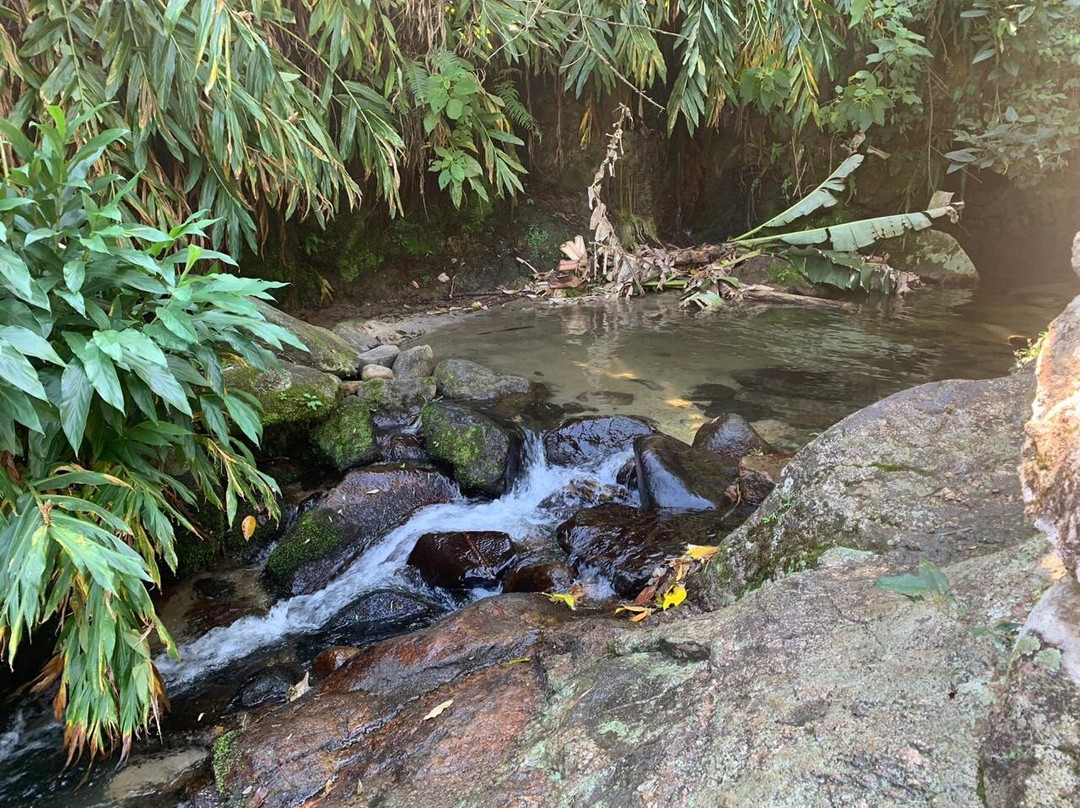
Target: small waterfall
(520, 513)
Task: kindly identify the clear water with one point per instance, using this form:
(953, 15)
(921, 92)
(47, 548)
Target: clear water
(801, 368)
(793, 372)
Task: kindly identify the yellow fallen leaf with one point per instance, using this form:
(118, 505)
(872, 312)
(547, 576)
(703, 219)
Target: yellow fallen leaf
(438, 710)
(518, 660)
(701, 552)
(674, 595)
(247, 527)
(563, 597)
(639, 612)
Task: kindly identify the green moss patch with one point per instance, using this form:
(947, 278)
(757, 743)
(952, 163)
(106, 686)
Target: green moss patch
(314, 537)
(347, 437)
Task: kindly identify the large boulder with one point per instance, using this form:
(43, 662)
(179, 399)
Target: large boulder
(1051, 467)
(936, 257)
(347, 438)
(929, 472)
(672, 474)
(1031, 757)
(326, 351)
(815, 691)
(462, 560)
(290, 394)
(731, 436)
(366, 505)
(582, 439)
(396, 398)
(460, 379)
(484, 456)
(356, 334)
(626, 547)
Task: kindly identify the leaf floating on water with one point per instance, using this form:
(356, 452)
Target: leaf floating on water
(438, 710)
(674, 595)
(247, 527)
(300, 688)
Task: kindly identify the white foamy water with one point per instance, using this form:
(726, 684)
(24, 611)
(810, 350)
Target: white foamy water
(519, 513)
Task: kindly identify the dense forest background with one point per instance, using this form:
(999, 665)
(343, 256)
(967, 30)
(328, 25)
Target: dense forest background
(441, 123)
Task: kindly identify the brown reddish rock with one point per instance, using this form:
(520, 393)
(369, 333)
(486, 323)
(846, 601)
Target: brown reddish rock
(331, 659)
(462, 560)
(672, 474)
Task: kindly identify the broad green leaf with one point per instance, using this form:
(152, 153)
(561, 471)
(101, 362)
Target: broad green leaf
(76, 393)
(16, 370)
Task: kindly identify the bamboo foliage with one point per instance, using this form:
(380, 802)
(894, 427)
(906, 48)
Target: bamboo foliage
(259, 110)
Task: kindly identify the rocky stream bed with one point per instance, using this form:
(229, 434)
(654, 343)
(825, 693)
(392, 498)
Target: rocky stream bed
(388, 644)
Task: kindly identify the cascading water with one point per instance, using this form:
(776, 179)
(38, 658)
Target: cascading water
(523, 513)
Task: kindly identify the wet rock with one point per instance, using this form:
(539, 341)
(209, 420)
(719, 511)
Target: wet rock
(578, 494)
(579, 440)
(347, 438)
(625, 546)
(672, 474)
(376, 372)
(403, 449)
(818, 690)
(484, 456)
(331, 659)
(460, 379)
(356, 335)
(381, 355)
(292, 394)
(754, 486)
(1031, 756)
(935, 256)
(540, 576)
(730, 436)
(1051, 457)
(155, 776)
(270, 686)
(930, 472)
(415, 363)
(459, 561)
(376, 615)
(367, 504)
(326, 351)
(627, 475)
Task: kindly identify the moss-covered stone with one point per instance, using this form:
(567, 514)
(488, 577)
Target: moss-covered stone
(224, 758)
(292, 394)
(934, 256)
(480, 452)
(326, 351)
(347, 437)
(395, 395)
(314, 537)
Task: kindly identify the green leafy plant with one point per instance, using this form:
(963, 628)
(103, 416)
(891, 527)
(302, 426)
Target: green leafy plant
(115, 421)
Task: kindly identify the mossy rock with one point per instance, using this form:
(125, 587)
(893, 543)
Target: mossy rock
(347, 437)
(314, 537)
(482, 454)
(326, 351)
(936, 257)
(463, 380)
(395, 395)
(291, 394)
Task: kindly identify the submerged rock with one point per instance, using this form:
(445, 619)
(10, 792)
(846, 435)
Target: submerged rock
(415, 363)
(1051, 467)
(930, 472)
(291, 394)
(463, 380)
(326, 351)
(935, 256)
(730, 436)
(363, 507)
(347, 437)
(579, 440)
(462, 560)
(672, 474)
(483, 455)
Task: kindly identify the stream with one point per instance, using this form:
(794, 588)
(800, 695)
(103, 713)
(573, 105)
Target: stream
(791, 372)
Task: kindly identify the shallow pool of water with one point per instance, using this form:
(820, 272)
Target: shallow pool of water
(797, 370)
